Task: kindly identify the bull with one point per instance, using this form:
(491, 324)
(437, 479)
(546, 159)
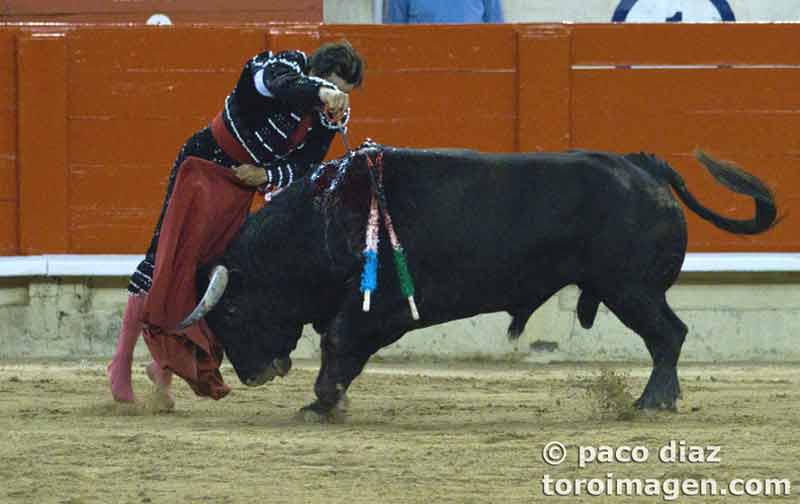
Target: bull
(483, 233)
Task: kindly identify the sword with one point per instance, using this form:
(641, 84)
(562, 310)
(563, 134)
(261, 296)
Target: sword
(345, 140)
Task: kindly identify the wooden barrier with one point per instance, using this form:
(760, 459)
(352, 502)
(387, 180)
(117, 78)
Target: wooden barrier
(132, 105)
(729, 89)
(9, 194)
(93, 117)
(179, 11)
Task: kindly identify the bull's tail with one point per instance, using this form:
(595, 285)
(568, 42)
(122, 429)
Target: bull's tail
(730, 176)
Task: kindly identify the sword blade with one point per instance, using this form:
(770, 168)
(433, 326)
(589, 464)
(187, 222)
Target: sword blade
(345, 140)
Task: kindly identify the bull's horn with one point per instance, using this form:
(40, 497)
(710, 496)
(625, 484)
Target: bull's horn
(216, 287)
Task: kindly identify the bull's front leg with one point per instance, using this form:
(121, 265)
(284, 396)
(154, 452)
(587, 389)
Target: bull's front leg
(344, 354)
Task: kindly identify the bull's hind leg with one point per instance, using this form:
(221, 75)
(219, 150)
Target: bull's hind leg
(648, 314)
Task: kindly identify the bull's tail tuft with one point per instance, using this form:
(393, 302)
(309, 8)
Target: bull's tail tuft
(735, 179)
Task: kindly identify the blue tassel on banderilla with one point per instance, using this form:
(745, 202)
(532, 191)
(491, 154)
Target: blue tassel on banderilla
(369, 276)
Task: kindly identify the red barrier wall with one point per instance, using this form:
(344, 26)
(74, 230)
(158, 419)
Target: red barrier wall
(744, 111)
(8, 144)
(179, 11)
(101, 112)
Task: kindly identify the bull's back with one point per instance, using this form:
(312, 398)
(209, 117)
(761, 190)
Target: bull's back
(497, 205)
(485, 225)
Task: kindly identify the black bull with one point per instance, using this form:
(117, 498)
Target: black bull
(483, 233)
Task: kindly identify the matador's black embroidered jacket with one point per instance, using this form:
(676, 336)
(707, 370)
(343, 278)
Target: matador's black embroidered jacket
(274, 112)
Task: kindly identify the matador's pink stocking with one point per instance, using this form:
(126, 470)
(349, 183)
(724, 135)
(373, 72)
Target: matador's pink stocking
(119, 369)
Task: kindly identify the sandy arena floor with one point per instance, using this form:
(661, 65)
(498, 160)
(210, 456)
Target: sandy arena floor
(460, 433)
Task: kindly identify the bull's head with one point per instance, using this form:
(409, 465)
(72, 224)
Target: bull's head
(287, 267)
(256, 332)
(233, 321)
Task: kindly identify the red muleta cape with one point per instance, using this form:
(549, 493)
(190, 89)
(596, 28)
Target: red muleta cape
(206, 210)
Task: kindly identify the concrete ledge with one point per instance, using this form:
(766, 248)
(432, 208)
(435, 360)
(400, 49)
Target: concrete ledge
(741, 262)
(23, 266)
(91, 265)
(737, 306)
(52, 265)
(123, 265)
(749, 316)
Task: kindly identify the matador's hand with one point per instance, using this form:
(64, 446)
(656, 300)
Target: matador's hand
(250, 175)
(335, 103)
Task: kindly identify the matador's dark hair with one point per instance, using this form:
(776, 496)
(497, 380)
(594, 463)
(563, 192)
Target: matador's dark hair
(339, 58)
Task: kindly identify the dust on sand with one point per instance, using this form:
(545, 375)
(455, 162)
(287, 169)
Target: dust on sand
(464, 432)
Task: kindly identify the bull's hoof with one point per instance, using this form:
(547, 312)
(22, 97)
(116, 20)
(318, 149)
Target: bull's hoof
(662, 391)
(316, 413)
